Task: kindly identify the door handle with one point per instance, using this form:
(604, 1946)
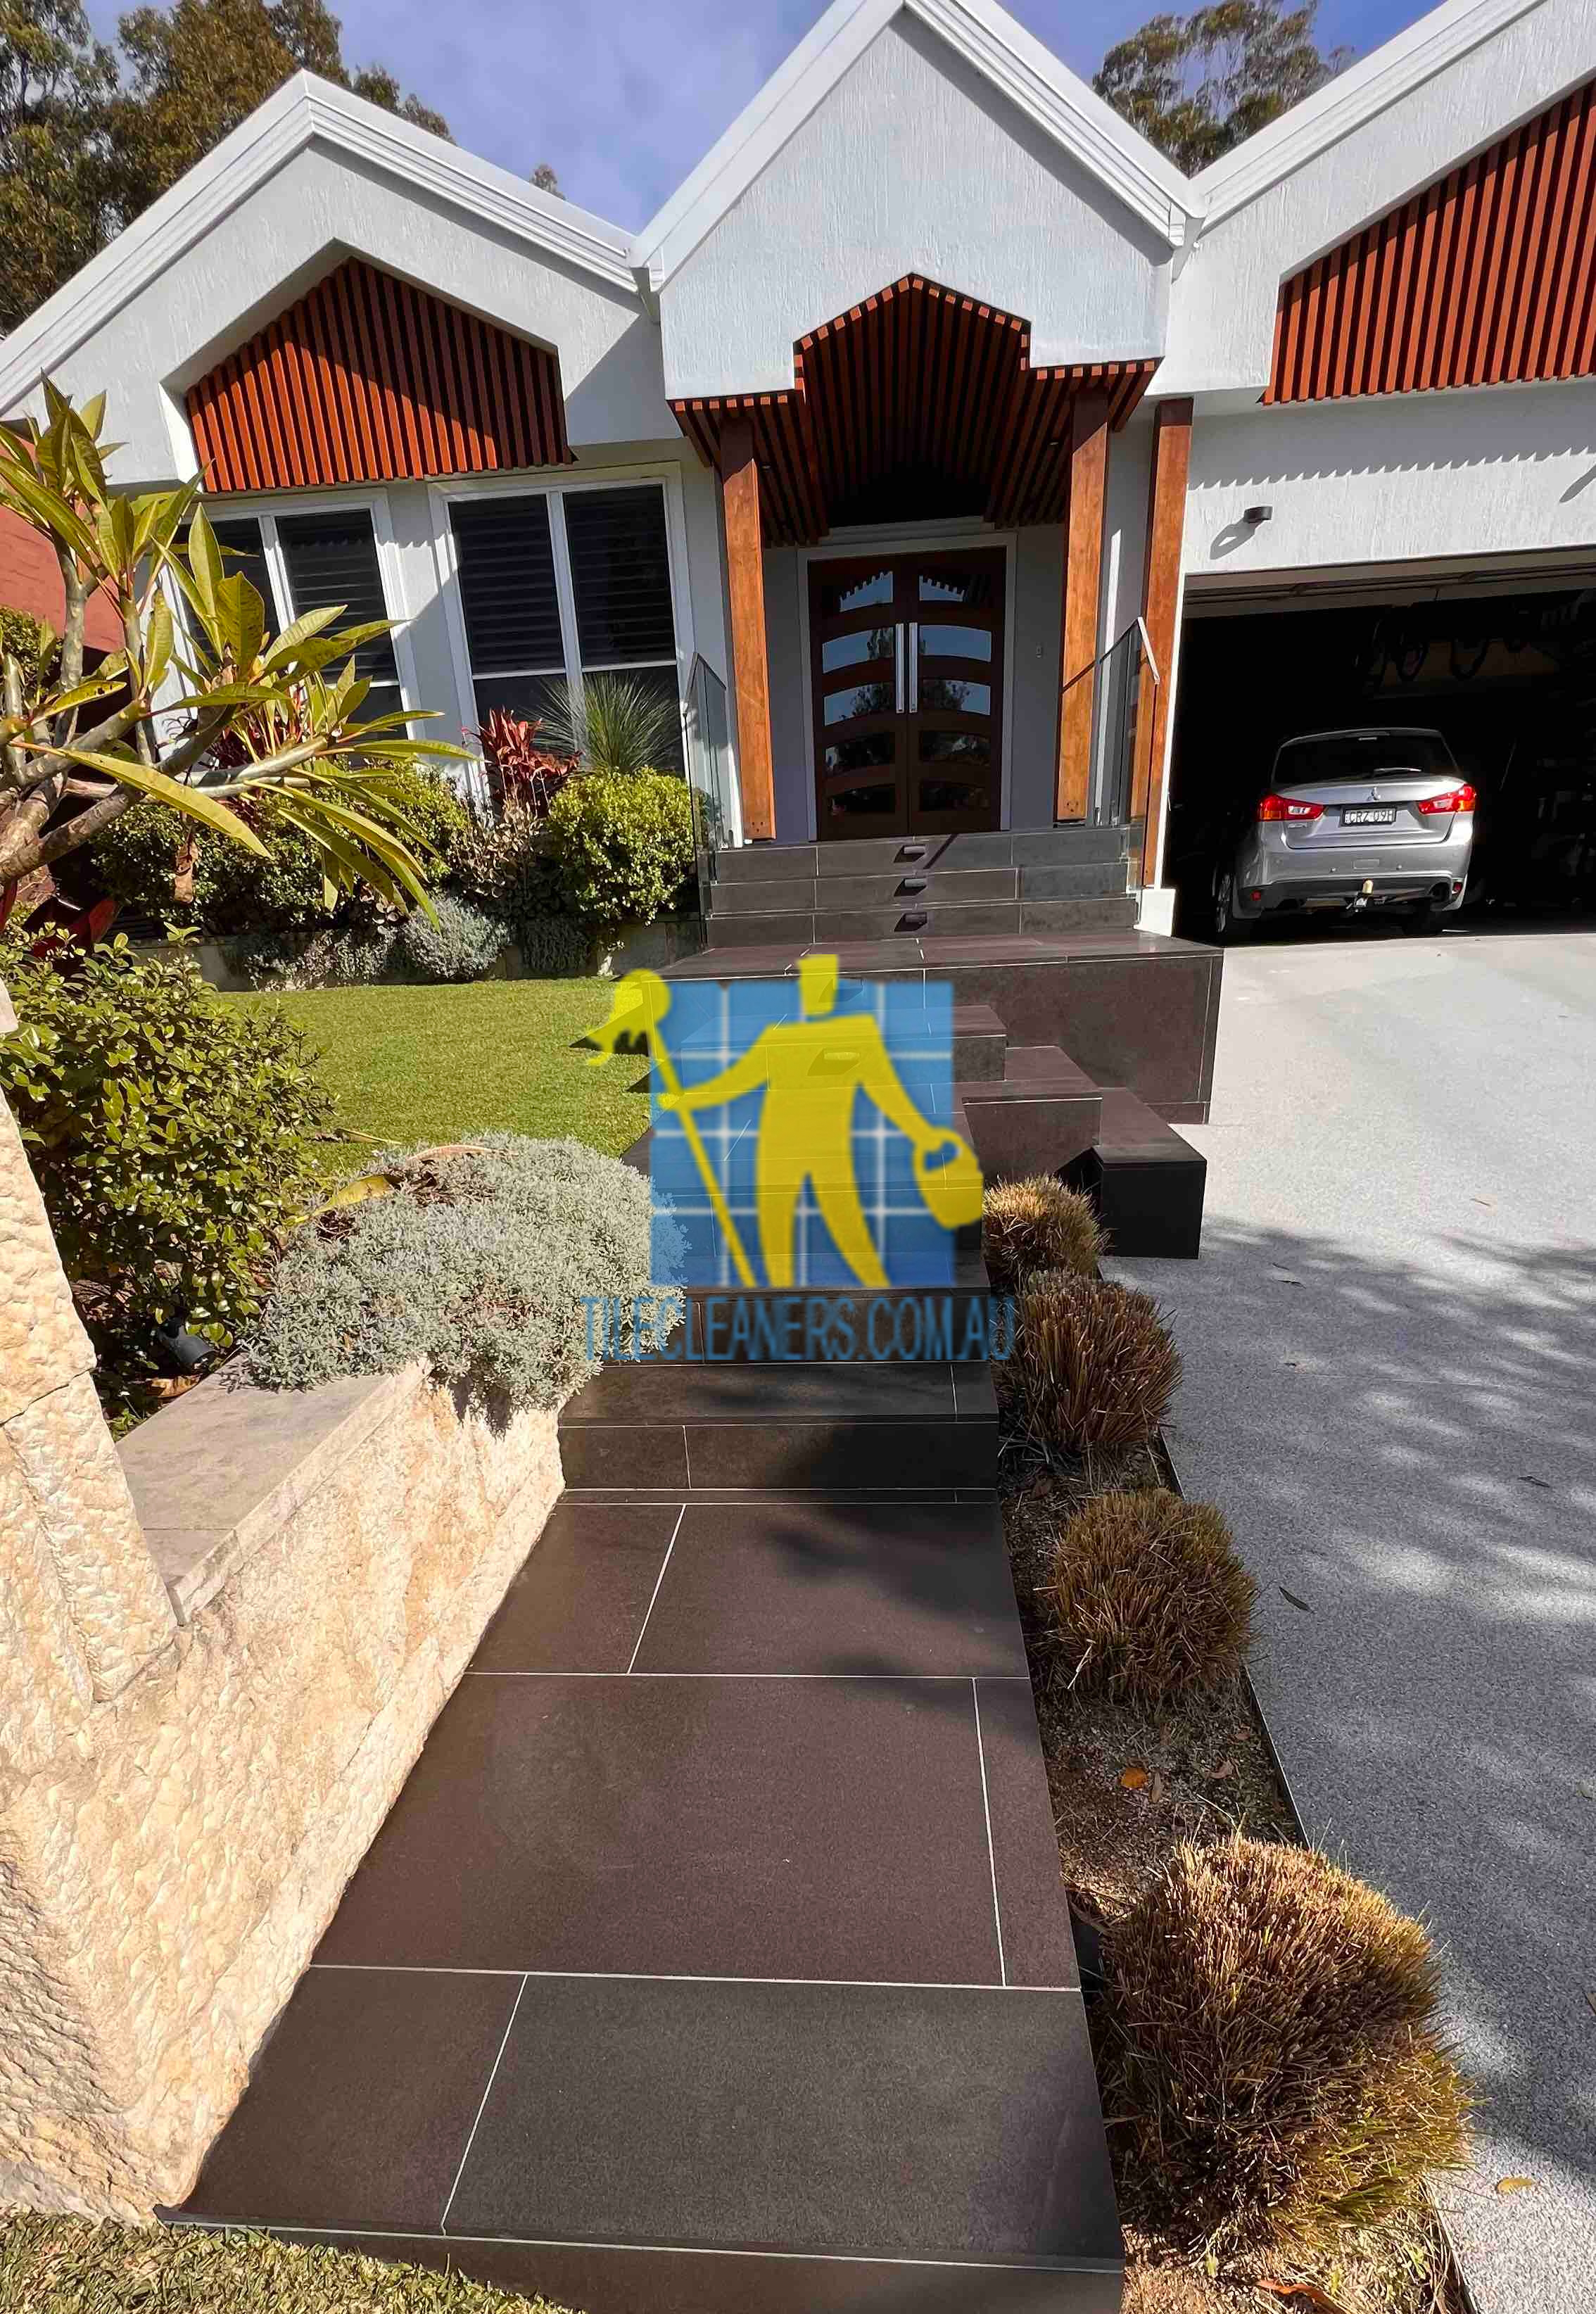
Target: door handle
(897, 668)
(914, 666)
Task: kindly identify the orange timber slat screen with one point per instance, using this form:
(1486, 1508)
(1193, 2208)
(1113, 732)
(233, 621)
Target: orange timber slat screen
(1486, 277)
(368, 379)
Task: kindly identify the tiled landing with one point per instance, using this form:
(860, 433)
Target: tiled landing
(714, 1956)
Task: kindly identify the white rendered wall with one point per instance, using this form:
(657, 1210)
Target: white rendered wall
(913, 165)
(1392, 478)
(1222, 302)
(292, 230)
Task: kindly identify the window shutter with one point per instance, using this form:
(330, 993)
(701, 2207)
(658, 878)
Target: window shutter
(506, 585)
(621, 574)
(332, 558)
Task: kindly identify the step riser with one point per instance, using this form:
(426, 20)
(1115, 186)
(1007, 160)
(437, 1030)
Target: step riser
(1001, 917)
(902, 855)
(769, 896)
(1014, 1139)
(872, 1457)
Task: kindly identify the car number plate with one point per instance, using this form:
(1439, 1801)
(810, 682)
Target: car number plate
(1369, 816)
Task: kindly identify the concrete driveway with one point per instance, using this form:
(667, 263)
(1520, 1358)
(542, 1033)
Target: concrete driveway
(1390, 1348)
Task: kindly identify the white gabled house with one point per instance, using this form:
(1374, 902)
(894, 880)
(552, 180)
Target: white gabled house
(903, 442)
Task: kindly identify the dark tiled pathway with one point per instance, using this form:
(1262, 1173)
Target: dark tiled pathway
(714, 1956)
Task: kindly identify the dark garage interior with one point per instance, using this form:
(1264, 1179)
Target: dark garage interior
(1508, 677)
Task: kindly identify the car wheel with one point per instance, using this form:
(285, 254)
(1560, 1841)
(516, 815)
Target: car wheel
(1227, 926)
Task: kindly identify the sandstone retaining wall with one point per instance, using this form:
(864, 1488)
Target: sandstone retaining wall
(220, 1651)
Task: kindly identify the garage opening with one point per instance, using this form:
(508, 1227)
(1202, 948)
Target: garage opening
(1504, 668)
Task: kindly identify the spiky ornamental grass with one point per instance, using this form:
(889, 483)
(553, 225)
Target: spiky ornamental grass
(478, 1263)
(1095, 1364)
(1038, 1224)
(1152, 1597)
(1273, 2052)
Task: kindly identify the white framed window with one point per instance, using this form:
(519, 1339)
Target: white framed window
(548, 583)
(303, 554)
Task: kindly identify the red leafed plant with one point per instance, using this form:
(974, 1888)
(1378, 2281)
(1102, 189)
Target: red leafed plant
(521, 772)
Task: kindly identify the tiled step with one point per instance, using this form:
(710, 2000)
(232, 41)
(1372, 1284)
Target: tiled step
(1103, 879)
(965, 921)
(1041, 1117)
(904, 855)
(980, 1041)
(1145, 1180)
(866, 1428)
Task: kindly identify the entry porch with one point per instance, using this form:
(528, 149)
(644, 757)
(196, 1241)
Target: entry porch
(952, 582)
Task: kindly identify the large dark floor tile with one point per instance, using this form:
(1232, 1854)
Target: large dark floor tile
(756, 1827)
(578, 1602)
(836, 1587)
(1038, 1944)
(362, 2102)
(793, 1390)
(610, 2281)
(885, 2121)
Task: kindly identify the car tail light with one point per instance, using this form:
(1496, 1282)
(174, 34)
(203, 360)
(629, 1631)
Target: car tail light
(1276, 807)
(1461, 799)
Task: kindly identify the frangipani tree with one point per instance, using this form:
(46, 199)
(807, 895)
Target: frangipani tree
(273, 723)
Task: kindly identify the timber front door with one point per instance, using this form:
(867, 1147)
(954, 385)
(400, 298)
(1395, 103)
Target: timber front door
(906, 655)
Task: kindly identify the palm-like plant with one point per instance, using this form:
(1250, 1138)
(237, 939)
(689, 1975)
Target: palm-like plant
(613, 723)
(273, 724)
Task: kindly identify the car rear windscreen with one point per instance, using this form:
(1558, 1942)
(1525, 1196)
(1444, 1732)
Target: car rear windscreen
(1360, 755)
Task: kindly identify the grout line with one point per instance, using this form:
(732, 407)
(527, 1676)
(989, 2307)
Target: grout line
(860, 1678)
(279, 2226)
(653, 1595)
(482, 2109)
(991, 1857)
(662, 1976)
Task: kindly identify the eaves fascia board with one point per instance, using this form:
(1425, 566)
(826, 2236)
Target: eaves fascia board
(303, 111)
(1354, 97)
(1020, 66)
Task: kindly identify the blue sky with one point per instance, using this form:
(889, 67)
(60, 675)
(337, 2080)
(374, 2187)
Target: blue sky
(625, 97)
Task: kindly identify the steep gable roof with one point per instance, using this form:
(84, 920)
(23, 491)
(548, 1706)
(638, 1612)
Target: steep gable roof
(305, 110)
(989, 39)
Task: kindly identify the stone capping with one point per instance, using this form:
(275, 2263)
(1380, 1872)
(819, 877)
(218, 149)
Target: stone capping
(223, 1468)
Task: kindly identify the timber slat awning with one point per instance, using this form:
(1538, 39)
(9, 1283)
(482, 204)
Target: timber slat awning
(367, 379)
(918, 401)
(1486, 277)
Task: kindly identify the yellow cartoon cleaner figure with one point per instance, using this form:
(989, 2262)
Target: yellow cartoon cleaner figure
(810, 1071)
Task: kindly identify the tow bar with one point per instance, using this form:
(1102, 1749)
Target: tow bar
(1356, 908)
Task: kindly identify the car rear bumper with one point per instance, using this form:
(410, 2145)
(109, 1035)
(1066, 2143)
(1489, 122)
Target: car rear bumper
(1370, 891)
(1274, 875)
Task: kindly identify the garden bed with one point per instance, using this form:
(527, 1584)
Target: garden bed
(1131, 1786)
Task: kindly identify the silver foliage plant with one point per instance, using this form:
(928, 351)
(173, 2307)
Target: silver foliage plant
(477, 1262)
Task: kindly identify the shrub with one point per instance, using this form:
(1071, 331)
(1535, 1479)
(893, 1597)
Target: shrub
(21, 636)
(622, 844)
(464, 944)
(477, 1263)
(1151, 1592)
(1039, 1225)
(356, 955)
(520, 769)
(167, 1130)
(621, 723)
(502, 866)
(235, 891)
(1273, 2053)
(553, 948)
(1095, 1363)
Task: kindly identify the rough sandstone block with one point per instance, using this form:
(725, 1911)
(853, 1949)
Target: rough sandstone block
(42, 1344)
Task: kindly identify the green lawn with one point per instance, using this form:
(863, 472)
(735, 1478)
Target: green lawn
(61, 2265)
(425, 1064)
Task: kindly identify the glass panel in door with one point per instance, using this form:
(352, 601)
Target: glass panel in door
(907, 673)
(856, 661)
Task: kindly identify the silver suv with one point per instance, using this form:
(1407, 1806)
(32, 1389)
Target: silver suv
(1351, 820)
